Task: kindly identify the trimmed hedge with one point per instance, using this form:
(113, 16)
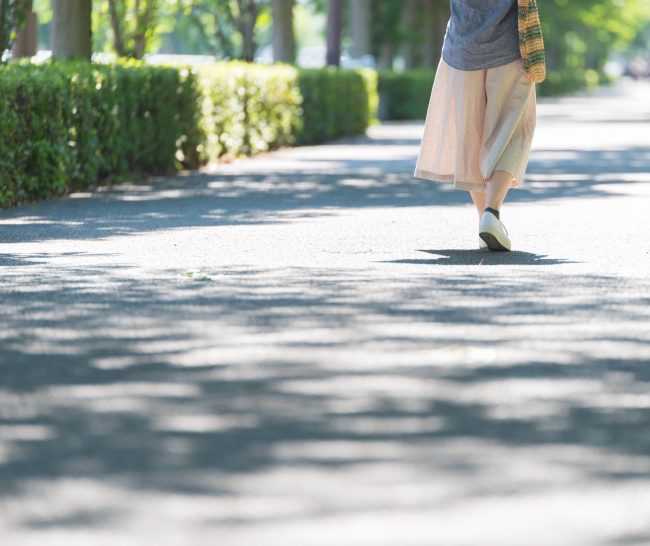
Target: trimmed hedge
(247, 108)
(68, 126)
(569, 80)
(335, 103)
(405, 95)
(251, 108)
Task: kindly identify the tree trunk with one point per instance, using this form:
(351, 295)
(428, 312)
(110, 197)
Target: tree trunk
(410, 23)
(146, 14)
(4, 30)
(116, 27)
(436, 26)
(386, 57)
(284, 40)
(26, 42)
(360, 28)
(334, 24)
(71, 29)
(247, 25)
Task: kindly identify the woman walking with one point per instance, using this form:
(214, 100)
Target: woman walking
(482, 111)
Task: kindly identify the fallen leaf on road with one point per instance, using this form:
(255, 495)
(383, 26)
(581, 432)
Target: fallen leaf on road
(198, 276)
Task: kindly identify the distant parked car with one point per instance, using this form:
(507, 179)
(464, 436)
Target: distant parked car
(638, 68)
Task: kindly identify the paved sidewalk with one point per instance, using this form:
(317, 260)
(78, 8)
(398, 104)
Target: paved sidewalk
(307, 349)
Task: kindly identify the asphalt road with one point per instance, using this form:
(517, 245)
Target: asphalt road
(307, 348)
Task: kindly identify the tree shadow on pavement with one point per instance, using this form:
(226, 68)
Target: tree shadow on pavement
(185, 388)
(299, 193)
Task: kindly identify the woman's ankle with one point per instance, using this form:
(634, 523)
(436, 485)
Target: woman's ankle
(493, 210)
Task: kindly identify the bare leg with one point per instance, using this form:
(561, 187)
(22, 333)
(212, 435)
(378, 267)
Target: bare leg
(497, 188)
(480, 200)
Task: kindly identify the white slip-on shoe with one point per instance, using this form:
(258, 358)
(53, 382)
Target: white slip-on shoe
(493, 232)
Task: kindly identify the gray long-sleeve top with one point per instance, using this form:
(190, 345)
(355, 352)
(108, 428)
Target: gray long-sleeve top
(481, 34)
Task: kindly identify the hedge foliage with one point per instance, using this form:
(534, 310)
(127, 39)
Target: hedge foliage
(67, 126)
(405, 95)
(560, 82)
(250, 108)
(335, 103)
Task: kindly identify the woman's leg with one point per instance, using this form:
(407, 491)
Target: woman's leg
(480, 200)
(491, 230)
(497, 188)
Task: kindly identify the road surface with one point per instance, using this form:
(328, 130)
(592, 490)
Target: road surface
(307, 348)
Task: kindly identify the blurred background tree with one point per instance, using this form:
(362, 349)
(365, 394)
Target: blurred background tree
(226, 28)
(72, 29)
(416, 40)
(12, 16)
(131, 28)
(284, 36)
(133, 23)
(581, 35)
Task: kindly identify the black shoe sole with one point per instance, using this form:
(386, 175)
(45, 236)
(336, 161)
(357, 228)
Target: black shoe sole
(492, 242)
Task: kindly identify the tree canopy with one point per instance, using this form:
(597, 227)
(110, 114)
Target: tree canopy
(579, 34)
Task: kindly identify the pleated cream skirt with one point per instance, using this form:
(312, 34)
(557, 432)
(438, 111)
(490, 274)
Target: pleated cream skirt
(478, 122)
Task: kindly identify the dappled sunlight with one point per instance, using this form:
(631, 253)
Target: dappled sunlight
(26, 433)
(222, 336)
(249, 400)
(312, 339)
(258, 193)
(197, 424)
